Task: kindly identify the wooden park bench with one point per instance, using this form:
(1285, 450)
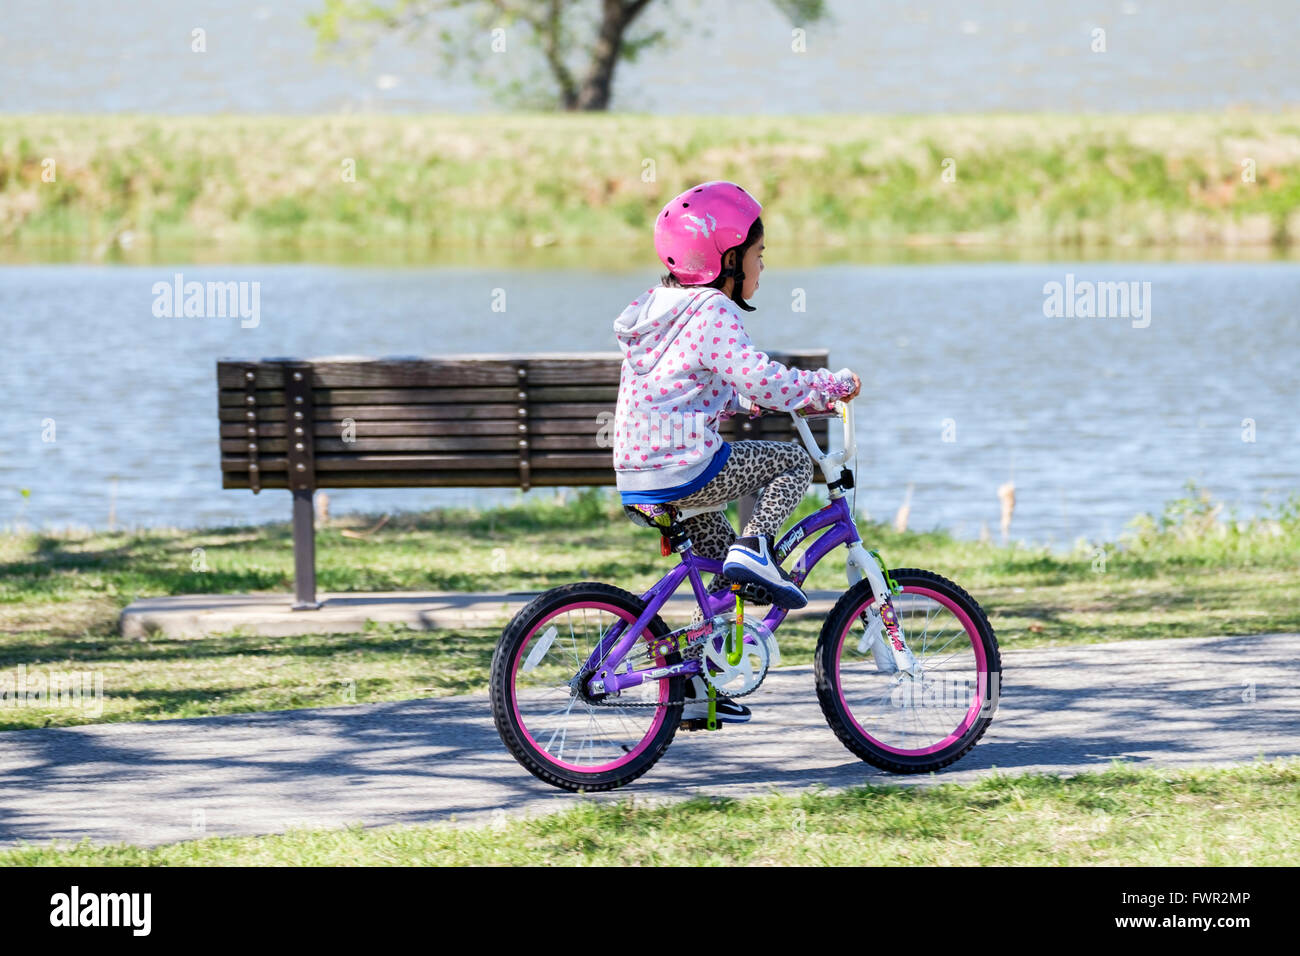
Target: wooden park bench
(521, 421)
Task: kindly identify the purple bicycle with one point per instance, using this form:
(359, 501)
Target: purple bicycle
(588, 682)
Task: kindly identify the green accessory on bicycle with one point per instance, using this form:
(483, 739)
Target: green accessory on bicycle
(736, 641)
(712, 722)
(894, 586)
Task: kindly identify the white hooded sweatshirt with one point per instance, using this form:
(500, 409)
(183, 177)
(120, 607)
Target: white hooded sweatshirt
(687, 363)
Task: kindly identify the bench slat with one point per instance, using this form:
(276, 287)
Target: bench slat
(426, 372)
(343, 372)
(599, 458)
(420, 396)
(454, 462)
(359, 413)
(403, 479)
(331, 396)
(378, 429)
(440, 479)
(234, 409)
(389, 445)
(394, 444)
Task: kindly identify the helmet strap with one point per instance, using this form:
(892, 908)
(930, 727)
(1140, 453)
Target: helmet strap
(737, 275)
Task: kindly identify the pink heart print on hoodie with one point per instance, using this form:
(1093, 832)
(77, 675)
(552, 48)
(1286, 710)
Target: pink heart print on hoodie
(687, 363)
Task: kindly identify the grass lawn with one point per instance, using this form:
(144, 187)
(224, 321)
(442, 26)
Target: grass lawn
(554, 180)
(1187, 573)
(1123, 816)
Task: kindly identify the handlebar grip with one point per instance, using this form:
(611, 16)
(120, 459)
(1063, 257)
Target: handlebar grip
(832, 412)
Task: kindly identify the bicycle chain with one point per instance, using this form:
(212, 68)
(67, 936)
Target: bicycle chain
(755, 593)
(693, 652)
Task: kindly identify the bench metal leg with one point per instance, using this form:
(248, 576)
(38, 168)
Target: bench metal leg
(304, 552)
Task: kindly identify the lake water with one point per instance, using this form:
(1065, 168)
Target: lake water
(966, 382)
(722, 56)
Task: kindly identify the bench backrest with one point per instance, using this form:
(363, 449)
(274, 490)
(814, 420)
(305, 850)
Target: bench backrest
(463, 421)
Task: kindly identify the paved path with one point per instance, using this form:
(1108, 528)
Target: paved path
(198, 615)
(1169, 702)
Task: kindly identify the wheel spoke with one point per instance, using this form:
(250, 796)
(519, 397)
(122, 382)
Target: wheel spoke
(957, 636)
(573, 639)
(937, 664)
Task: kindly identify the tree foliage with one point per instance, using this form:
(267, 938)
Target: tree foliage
(557, 54)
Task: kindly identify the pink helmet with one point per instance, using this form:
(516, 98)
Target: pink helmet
(697, 227)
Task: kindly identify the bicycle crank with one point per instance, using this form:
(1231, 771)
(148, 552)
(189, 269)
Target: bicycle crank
(758, 653)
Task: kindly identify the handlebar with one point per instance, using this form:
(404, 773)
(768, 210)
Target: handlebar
(831, 463)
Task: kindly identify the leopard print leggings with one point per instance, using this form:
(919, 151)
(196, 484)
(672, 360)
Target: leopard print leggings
(780, 472)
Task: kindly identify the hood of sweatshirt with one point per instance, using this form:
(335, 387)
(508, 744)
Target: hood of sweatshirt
(653, 318)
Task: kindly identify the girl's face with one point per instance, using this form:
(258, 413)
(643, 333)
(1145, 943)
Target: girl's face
(752, 265)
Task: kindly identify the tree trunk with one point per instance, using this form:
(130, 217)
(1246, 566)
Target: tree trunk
(598, 84)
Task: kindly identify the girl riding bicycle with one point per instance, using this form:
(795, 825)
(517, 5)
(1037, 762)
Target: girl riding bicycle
(589, 684)
(688, 363)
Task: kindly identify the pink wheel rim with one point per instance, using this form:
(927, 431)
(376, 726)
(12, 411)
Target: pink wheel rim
(981, 682)
(541, 751)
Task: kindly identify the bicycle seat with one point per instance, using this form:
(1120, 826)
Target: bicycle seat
(652, 515)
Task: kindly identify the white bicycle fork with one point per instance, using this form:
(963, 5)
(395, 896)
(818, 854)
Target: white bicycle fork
(884, 631)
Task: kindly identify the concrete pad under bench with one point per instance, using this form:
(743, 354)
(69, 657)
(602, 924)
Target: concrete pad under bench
(271, 615)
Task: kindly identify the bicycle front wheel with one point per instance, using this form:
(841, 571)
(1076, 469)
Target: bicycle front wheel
(910, 723)
(553, 729)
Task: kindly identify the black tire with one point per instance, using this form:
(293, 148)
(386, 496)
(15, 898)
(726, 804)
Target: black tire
(503, 711)
(824, 669)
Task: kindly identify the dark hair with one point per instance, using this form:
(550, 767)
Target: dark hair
(736, 272)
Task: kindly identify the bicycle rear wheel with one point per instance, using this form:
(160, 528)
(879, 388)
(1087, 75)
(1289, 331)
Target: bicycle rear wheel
(895, 721)
(553, 730)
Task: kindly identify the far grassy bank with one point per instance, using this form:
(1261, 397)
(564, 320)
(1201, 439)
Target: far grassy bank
(525, 180)
(1187, 573)
(1123, 816)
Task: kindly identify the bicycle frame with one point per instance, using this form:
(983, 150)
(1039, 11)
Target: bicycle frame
(835, 520)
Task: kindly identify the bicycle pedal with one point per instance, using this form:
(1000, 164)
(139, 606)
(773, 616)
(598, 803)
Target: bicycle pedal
(697, 723)
(755, 593)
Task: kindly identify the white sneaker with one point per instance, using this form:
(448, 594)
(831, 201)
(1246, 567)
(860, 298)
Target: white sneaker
(752, 560)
